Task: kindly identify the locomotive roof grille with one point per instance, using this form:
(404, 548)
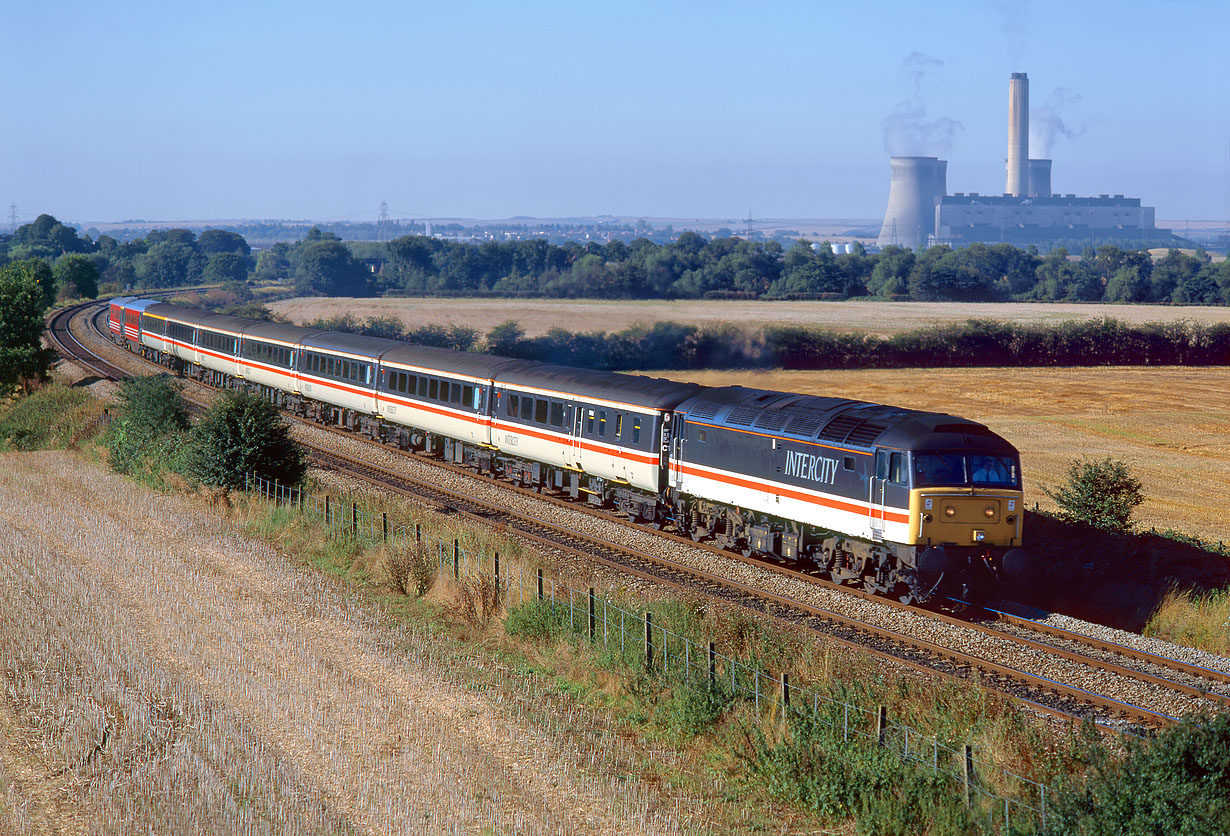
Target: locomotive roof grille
(866, 433)
(839, 427)
(772, 420)
(742, 416)
(704, 411)
(805, 424)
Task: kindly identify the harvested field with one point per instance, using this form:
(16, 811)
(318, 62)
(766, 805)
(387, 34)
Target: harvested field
(1172, 425)
(164, 675)
(537, 316)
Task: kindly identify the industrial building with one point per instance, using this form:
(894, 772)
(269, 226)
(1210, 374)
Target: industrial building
(921, 212)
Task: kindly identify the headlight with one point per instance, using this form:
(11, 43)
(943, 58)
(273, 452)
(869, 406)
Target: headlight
(989, 511)
(950, 511)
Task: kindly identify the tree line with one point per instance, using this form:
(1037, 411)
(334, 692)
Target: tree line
(690, 267)
(673, 345)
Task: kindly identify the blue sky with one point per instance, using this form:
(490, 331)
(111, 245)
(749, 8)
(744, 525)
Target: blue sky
(486, 110)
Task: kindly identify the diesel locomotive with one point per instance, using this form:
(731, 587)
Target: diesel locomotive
(900, 502)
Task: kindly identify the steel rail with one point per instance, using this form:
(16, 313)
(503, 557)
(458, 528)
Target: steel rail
(485, 516)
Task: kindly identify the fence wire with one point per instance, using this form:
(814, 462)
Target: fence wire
(641, 641)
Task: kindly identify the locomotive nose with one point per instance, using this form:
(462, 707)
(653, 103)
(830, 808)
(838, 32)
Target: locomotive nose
(933, 562)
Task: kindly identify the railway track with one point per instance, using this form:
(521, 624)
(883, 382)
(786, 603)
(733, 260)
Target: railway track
(1042, 693)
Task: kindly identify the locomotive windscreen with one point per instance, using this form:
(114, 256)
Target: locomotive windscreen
(962, 469)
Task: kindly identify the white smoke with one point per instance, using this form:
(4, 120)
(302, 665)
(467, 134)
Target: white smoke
(1047, 125)
(908, 131)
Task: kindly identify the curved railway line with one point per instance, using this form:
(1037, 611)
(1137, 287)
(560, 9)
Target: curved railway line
(1130, 686)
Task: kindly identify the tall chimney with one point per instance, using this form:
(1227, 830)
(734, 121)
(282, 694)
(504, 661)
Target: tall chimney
(1018, 135)
(1039, 178)
(916, 185)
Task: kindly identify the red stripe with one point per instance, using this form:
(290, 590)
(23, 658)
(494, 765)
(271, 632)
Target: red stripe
(783, 490)
(619, 452)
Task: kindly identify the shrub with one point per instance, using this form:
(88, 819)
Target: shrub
(1177, 784)
(1101, 493)
(410, 570)
(151, 424)
(243, 434)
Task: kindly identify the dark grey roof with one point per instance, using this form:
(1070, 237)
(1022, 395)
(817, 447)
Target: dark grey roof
(456, 362)
(189, 315)
(224, 322)
(836, 420)
(278, 331)
(370, 347)
(652, 392)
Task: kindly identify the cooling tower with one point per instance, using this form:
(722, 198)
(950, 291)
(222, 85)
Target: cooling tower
(1039, 178)
(916, 184)
(1018, 135)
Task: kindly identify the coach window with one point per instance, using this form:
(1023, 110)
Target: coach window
(636, 430)
(619, 424)
(455, 397)
(557, 414)
(527, 408)
(589, 421)
(433, 389)
(540, 411)
(467, 397)
(514, 406)
(602, 422)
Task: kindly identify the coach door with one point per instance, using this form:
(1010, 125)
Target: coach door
(875, 501)
(574, 443)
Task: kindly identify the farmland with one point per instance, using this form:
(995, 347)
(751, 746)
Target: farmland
(165, 674)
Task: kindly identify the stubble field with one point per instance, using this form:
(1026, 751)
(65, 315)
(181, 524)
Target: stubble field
(537, 316)
(164, 674)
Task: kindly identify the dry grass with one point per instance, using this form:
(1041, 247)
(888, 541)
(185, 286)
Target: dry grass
(538, 316)
(1171, 425)
(1195, 619)
(165, 675)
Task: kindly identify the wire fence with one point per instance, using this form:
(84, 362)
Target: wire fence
(635, 640)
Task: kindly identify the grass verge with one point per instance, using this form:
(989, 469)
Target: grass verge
(54, 416)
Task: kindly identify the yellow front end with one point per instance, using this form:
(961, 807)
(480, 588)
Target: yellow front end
(965, 517)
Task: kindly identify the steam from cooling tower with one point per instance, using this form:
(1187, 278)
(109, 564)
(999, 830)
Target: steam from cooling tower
(1047, 125)
(907, 129)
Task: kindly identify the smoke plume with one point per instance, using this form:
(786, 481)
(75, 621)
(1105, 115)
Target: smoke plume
(908, 132)
(1047, 125)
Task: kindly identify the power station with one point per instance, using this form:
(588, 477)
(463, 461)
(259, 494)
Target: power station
(921, 212)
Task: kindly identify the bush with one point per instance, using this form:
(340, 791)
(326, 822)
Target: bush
(411, 570)
(1101, 493)
(151, 424)
(243, 434)
(1177, 784)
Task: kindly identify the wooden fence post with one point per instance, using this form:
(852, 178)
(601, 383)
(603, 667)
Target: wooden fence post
(881, 725)
(328, 512)
(497, 568)
(384, 525)
(785, 690)
(967, 773)
(540, 584)
(456, 559)
(648, 641)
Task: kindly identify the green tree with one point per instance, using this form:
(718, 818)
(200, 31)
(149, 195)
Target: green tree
(1102, 493)
(328, 268)
(1177, 784)
(225, 267)
(242, 434)
(217, 241)
(504, 338)
(151, 421)
(23, 299)
(76, 275)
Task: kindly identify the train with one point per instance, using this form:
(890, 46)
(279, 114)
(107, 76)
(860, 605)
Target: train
(900, 502)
